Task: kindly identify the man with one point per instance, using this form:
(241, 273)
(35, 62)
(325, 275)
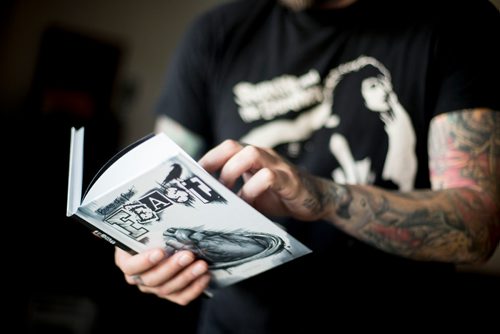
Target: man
(362, 103)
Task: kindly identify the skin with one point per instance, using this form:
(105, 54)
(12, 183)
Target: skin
(179, 278)
(171, 278)
(458, 220)
(298, 5)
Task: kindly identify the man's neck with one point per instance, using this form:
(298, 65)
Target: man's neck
(298, 5)
(331, 4)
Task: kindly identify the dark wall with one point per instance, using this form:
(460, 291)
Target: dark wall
(66, 277)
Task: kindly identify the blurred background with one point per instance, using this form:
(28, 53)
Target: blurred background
(98, 63)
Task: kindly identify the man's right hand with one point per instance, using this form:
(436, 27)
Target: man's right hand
(179, 278)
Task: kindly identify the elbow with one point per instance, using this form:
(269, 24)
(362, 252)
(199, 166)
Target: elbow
(481, 249)
(477, 257)
(482, 228)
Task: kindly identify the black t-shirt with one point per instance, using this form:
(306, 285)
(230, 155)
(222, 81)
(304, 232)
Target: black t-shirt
(346, 94)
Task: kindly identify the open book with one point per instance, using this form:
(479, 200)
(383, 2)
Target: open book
(153, 194)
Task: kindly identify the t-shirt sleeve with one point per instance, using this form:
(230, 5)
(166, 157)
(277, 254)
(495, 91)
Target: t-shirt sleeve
(467, 52)
(185, 96)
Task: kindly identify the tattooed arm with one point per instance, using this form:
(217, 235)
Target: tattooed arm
(457, 221)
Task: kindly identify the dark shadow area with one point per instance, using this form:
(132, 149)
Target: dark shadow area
(65, 278)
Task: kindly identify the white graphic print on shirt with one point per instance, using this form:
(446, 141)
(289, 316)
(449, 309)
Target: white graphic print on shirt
(270, 99)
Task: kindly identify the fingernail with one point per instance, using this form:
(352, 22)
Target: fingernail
(198, 269)
(184, 260)
(156, 256)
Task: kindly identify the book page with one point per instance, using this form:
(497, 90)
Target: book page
(75, 175)
(177, 205)
(133, 163)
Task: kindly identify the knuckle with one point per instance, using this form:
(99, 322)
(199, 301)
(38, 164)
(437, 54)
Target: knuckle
(270, 151)
(169, 298)
(201, 284)
(117, 259)
(153, 282)
(129, 279)
(165, 290)
(269, 175)
(143, 289)
(146, 281)
(127, 270)
(247, 194)
(252, 151)
(119, 264)
(182, 301)
(196, 270)
(230, 144)
(168, 272)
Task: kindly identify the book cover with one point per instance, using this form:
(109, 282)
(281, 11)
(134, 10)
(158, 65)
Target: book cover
(153, 194)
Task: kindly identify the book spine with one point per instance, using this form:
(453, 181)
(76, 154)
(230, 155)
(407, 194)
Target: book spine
(99, 233)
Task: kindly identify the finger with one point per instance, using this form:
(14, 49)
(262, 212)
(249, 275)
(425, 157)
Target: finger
(192, 292)
(195, 275)
(168, 269)
(214, 159)
(147, 289)
(121, 256)
(246, 176)
(136, 264)
(250, 159)
(184, 279)
(256, 185)
(130, 279)
(266, 179)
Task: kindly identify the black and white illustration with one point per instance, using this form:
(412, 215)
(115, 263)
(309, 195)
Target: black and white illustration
(223, 249)
(299, 108)
(176, 205)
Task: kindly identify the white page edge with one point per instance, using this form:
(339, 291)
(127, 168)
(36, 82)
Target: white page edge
(75, 173)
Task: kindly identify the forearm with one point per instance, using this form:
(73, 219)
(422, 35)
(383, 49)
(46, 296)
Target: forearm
(457, 221)
(454, 225)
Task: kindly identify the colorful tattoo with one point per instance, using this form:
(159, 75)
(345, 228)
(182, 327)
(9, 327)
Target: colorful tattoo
(464, 150)
(458, 221)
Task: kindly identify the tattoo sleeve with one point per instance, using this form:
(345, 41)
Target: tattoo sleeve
(457, 221)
